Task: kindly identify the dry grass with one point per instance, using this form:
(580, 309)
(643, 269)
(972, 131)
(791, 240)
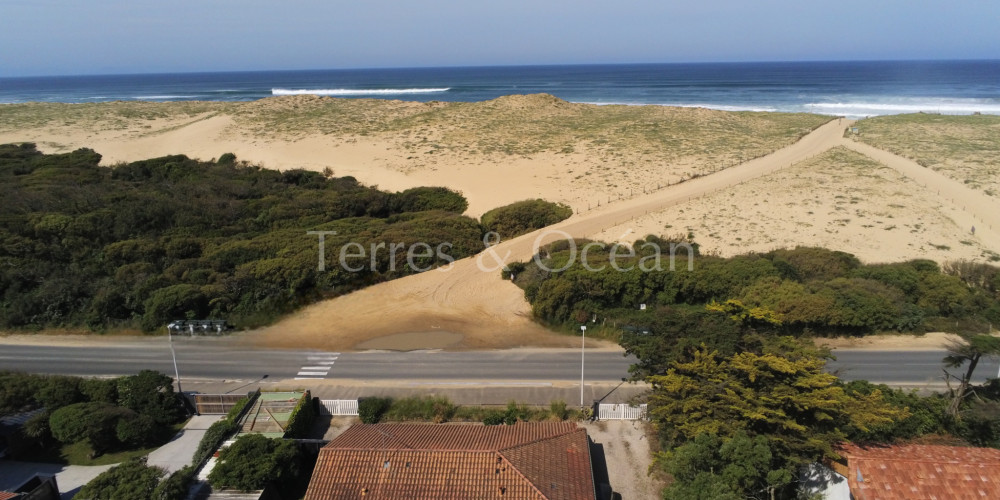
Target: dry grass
(118, 115)
(965, 148)
(839, 199)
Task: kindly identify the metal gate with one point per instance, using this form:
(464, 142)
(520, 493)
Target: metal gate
(621, 412)
(339, 407)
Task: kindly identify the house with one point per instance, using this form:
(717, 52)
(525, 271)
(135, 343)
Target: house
(39, 487)
(527, 460)
(901, 472)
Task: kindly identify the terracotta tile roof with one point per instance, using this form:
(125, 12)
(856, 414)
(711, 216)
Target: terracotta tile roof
(6, 495)
(904, 472)
(413, 461)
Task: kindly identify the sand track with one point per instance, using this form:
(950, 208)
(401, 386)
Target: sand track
(470, 298)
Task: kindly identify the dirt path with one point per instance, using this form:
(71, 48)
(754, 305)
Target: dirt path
(971, 207)
(469, 296)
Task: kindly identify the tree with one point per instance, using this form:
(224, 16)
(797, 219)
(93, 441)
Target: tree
(95, 422)
(253, 461)
(150, 393)
(709, 468)
(967, 352)
(779, 391)
(132, 479)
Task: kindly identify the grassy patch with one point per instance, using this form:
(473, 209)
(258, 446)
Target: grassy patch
(965, 148)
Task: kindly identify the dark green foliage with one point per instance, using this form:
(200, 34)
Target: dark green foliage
(302, 418)
(132, 479)
(138, 432)
(709, 468)
(58, 391)
(253, 461)
(176, 485)
(226, 159)
(150, 393)
(100, 390)
(371, 410)
(18, 391)
(215, 435)
(812, 290)
(524, 216)
(148, 242)
(494, 418)
(423, 408)
(927, 415)
(95, 422)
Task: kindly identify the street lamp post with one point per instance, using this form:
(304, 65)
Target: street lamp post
(177, 373)
(583, 342)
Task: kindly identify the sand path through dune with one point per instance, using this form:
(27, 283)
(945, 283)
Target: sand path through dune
(470, 298)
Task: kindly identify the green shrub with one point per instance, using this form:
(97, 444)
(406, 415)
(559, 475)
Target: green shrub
(137, 432)
(557, 409)
(436, 409)
(132, 479)
(493, 418)
(176, 485)
(302, 418)
(216, 434)
(371, 410)
(253, 461)
(227, 159)
(523, 217)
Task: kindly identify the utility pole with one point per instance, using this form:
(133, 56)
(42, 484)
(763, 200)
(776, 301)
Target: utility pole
(583, 343)
(177, 373)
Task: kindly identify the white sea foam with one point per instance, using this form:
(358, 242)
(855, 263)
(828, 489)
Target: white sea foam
(719, 107)
(871, 108)
(354, 92)
(164, 97)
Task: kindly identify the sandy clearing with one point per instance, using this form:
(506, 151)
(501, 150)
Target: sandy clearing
(628, 455)
(470, 298)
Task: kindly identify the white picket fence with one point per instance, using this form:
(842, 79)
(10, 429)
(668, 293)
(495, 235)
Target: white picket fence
(339, 407)
(621, 412)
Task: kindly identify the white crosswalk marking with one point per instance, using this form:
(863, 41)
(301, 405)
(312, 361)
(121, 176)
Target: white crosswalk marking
(317, 367)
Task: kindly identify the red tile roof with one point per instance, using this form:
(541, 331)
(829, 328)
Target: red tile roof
(526, 460)
(904, 472)
(6, 495)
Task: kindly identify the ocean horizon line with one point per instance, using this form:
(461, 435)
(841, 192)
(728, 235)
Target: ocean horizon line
(501, 66)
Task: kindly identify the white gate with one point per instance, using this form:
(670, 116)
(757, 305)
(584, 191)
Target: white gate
(339, 407)
(621, 412)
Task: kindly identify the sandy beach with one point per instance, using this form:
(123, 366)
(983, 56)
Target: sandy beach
(739, 182)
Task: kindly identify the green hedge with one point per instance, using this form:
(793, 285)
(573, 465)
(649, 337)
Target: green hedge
(523, 217)
(302, 418)
(219, 431)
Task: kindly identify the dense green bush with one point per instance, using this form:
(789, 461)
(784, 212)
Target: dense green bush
(523, 217)
(132, 479)
(812, 291)
(215, 435)
(148, 242)
(302, 418)
(176, 485)
(253, 461)
(371, 410)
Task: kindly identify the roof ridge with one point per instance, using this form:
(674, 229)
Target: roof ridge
(949, 460)
(520, 474)
(545, 438)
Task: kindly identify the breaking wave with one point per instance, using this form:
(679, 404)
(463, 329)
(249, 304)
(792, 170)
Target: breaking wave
(356, 92)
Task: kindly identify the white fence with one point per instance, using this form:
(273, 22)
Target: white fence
(621, 412)
(339, 407)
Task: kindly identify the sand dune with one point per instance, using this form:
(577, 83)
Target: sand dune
(740, 181)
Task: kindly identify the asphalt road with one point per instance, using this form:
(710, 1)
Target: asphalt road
(221, 359)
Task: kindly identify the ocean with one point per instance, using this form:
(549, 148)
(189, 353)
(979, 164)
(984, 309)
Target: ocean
(853, 89)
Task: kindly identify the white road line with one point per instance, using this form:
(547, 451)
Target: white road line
(308, 378)
(308, 373)
(326, 368)
(325, 363)
(332, 355)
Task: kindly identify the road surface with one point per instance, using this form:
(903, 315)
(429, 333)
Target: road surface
(212, 359)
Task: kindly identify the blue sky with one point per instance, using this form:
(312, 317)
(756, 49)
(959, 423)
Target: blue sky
(41, 37)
